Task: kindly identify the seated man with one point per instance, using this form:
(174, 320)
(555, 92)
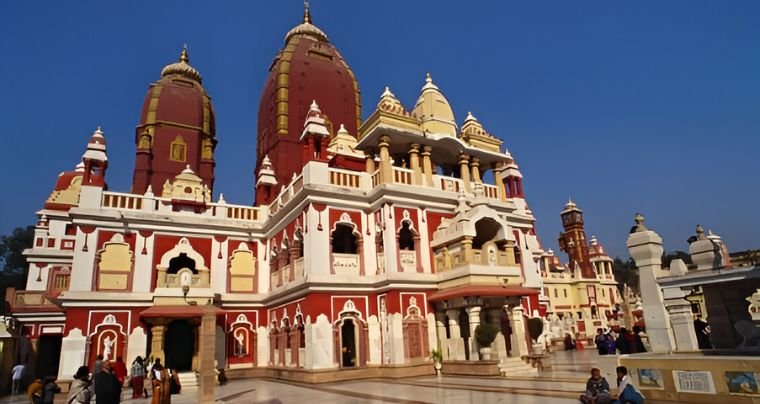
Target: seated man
(627, 394)
(597, 389)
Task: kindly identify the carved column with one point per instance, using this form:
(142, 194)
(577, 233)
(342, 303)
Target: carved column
(499, 180)
(455, 343)
(517, 323)
(157, 341)
(427, 165)
(294, 250)
(440, 325)
(369, 160)
(474, 315)
(414, 163)
(467, 248)
(464, 171)
(386, 171)
(475, 167)
(500, 348)
(681, 319)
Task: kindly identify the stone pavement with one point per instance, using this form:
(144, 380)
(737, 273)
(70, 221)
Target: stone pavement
(562, 384)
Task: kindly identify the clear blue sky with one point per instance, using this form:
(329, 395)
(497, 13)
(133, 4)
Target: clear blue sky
(650, 106)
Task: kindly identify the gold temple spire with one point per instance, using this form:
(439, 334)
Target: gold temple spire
(306, 13)
(184, 57)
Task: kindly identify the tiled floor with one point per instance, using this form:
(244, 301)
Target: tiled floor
(561, 384)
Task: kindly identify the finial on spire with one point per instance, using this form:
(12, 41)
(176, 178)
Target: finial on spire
(428, 79)
(183, 56)
(306, 13)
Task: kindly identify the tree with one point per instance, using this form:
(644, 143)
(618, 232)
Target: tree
(626, 272)
(14, 266)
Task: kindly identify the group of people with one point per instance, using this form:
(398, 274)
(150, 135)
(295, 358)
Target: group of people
(104, 384)
(624, 343)
(598, 389)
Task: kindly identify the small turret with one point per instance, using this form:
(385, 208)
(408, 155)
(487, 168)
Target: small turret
(434, 111)
(316, 134)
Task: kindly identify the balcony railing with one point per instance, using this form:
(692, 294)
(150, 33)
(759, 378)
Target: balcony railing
(24, 300)
(345, 264)
(408, 260)
(147, 203)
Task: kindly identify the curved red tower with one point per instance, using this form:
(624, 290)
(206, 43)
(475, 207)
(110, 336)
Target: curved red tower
(309, 68)
(176, 129)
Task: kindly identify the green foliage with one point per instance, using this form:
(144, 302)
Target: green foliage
(436, 355)
(625, 272)
(14, 266)
(485, 334)
(535, 327)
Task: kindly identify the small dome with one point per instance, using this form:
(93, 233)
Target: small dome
(434, 110)
(307, 28)
(182, 68)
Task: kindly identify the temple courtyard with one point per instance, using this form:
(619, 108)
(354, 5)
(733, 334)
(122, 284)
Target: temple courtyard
(560, 384)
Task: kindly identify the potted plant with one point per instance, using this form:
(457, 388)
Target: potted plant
(535, 329)
(437, 356)
(485, 334)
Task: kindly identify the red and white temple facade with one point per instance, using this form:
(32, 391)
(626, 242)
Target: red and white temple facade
(369, 244)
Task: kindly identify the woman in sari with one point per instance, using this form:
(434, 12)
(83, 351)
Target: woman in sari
(138, 378)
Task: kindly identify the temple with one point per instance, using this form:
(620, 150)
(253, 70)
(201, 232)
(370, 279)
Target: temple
(370, 243)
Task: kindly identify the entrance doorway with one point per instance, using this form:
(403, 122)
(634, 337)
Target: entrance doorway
(348, 343)
(179, 345)
(48, 355)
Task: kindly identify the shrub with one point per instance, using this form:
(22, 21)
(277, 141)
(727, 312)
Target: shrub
(436, 355)
(535, 327)
(485, 334)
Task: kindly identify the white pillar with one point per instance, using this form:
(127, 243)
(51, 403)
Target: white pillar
(645, 247)
(442, 341)
(455, 342)
(517, 323)
(474, 315)
(681, 319)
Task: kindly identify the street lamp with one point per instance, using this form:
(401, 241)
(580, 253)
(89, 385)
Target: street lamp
(185, 280)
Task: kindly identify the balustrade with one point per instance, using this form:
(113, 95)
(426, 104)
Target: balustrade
(345, 264)
(408, 260)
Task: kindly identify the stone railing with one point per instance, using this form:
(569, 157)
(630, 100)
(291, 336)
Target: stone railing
(408, 260)
(345, 264)
(122, 201)
(298, 268)
(449, 183)
(345, 178)
(201, 279)
(295, 186)
(380, 263)
(247, 213)
(402, 175)
(491, 191)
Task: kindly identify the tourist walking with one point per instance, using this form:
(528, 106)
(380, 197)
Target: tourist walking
(161, 385)
(17, 374)
(80, 391)
(119, 368)
(639, 342)
(597, 389)
(137, 378)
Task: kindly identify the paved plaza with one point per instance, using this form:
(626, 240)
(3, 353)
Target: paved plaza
(561, 384)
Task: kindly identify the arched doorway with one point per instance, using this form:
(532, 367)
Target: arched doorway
(348, 343)
(179, 345)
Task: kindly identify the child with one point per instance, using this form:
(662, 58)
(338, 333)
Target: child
(597, 389)
(626, 392)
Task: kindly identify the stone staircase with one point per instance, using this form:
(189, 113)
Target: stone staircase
(188, 381)
(516, 367)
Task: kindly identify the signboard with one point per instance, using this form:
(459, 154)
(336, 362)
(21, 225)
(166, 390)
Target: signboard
(694, 381)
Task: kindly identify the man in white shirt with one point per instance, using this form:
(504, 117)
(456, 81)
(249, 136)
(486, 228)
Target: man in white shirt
(17, 373)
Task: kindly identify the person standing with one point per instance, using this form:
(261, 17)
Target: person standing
(105, 385)
(599, 340)
(138, 378)
(622, 342)
(702, 328)
(98, 365)
(17, 374)
(161, 384)
(79, 391)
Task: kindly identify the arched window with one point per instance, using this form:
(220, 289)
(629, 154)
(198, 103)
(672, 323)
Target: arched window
(343, 239)
(179, 262)
(486, 230)
(405, 237)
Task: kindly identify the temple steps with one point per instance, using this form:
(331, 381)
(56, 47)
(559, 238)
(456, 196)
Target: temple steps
(188, 381)
(516, 366)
